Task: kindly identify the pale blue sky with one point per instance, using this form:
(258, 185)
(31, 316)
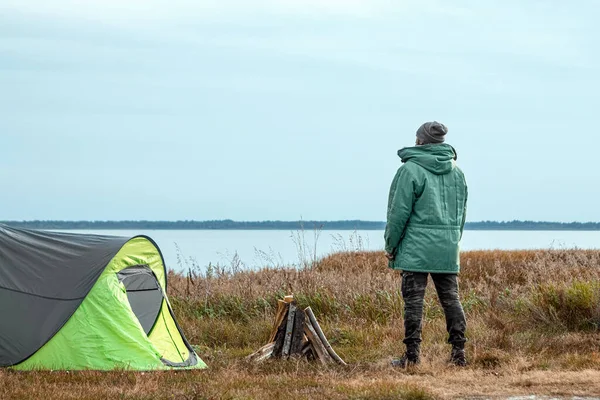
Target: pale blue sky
(267, 109)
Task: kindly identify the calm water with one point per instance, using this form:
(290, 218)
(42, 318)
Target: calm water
(183, 249)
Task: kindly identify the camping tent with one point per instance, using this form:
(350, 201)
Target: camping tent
(73, 302)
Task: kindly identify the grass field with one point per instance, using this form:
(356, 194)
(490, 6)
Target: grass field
(533, 316)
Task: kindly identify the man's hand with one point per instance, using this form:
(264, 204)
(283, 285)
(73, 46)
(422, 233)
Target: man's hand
(390, 256)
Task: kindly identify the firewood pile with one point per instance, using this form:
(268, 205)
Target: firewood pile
(296, 333)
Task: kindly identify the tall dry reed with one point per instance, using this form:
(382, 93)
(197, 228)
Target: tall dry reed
(516, 303)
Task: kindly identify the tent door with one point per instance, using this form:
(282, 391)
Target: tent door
(144, 294)
(146, 299)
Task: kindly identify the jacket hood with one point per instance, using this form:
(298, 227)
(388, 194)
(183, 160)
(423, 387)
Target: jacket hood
(439, 159)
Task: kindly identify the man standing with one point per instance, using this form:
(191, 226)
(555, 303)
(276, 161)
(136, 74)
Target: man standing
(425, 220)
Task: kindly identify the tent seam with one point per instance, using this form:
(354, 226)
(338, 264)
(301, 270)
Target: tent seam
(40, 296)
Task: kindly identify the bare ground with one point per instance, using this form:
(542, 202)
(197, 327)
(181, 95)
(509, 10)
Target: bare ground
(299, 379)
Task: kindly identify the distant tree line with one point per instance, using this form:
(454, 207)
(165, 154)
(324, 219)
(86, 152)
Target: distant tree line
(289, 225)
(532, 226)
(219, 224)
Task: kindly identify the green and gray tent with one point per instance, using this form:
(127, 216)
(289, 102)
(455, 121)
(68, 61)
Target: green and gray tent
(75, 302)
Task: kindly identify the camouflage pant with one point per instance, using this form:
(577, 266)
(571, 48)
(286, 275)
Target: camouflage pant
(413, 293)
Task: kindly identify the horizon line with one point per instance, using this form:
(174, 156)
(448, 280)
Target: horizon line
(339, 225)
(22, 221)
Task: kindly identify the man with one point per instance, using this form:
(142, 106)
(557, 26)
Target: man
(425, 220)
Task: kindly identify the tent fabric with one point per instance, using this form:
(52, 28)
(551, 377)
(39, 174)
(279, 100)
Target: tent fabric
(44, 277)
(98, 337)
(91, 320)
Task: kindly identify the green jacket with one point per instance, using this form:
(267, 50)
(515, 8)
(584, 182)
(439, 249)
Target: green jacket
(426, 213)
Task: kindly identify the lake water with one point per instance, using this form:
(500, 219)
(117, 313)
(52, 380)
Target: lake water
(185, 248)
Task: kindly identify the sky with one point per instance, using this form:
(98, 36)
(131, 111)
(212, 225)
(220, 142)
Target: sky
(289, 109)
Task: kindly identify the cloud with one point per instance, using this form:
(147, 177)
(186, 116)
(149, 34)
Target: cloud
(470, 44)
(494, 45)
(139, 10)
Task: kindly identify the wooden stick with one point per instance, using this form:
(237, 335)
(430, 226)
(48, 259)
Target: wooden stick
(282, 308)
(315, 324)
(267, 354)
(287, 344)
(263, 353)
(308, 351)
(298, 334)
(315, 341)
(306, 347)
(280, 337)
(289, 299)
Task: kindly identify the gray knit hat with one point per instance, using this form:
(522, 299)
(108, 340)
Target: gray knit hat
(432, 132)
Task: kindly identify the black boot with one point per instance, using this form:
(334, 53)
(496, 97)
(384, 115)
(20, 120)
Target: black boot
(458, 357)
(410, 358)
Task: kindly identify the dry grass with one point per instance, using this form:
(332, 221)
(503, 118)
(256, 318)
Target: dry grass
(533, 329)
(299, 381)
